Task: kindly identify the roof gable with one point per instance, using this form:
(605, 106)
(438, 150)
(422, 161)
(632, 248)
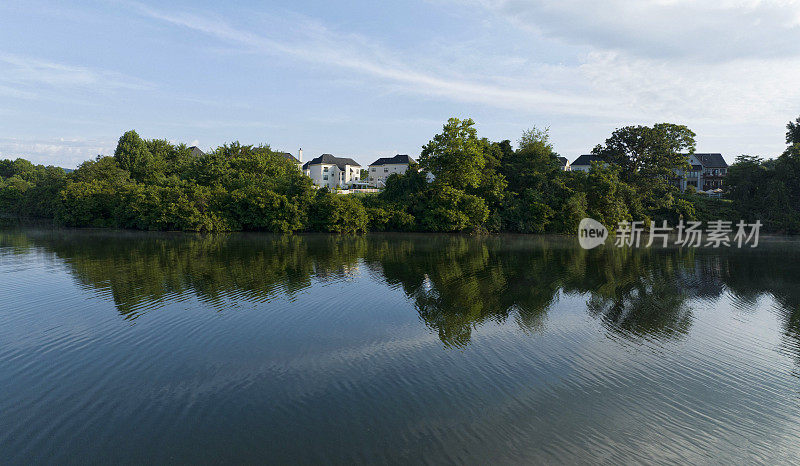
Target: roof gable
(288, 156)
(586, 159)
(399, 159)
(712, 160)
(329, 159)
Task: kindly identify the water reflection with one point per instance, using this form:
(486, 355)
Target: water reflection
(456, 283)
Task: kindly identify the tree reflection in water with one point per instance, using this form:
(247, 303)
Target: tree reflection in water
(456, 283)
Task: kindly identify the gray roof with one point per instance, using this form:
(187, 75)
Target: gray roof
(586, 159)
(708, 160)
(563, 161)
(396, 160)
(331, 160)
(712, 160)
(196, 151)
(288, 156)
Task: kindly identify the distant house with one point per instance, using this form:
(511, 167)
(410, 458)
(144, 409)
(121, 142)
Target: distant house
(332, 172)
(706, 172)
(196, 152)
(382, 168)
(293, 159)
(584, 162)
(564, 164)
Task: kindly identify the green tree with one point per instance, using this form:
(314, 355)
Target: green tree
(444, 208)
(456, 155)
(255, 209)
(335, 213)
(648, 156)
(793, 132)
(533, 164)
(132, 154)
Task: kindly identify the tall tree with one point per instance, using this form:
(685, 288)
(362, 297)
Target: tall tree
(533, 163)
(455, 156)
(133, 155)
(648, 158)
(793, 132)
(648, 155)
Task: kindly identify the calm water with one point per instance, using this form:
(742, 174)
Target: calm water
(136, 347)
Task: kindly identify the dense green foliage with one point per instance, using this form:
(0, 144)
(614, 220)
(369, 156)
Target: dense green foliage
(769, 190)
(648, 157)
(462, 183)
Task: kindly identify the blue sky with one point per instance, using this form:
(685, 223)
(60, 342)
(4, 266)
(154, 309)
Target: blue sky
(367, 79)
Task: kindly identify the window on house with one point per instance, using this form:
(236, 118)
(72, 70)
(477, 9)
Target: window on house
(325, 169)
(386, 170)
(373, 169)
(325, 177)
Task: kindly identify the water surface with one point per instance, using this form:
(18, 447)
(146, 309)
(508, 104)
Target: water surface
(145, 347)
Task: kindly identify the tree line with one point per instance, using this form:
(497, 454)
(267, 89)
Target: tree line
(478, 186)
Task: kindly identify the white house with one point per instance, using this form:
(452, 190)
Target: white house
(382, 168)
(584, 163)
(332, 172)
(564, 164)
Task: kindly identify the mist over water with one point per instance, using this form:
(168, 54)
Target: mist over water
(149, 347)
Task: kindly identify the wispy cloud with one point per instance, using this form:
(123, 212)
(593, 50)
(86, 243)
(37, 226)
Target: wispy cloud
(27, 77)
(625, 71)
(726, 68)
(314, 43)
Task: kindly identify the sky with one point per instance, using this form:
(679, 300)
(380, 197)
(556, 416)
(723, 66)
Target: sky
(367, 79)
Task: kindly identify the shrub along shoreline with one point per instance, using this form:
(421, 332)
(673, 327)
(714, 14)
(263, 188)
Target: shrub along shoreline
(479, 186)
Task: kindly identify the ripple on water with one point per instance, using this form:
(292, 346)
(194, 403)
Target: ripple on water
(393, 349)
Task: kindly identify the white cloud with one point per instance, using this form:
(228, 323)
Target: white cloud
(736, 91)
(65, 152)
(726, 68)
(709, 30)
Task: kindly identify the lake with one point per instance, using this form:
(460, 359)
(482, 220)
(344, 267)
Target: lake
(150, 347)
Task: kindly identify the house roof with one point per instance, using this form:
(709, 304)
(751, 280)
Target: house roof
(196, 151)
(564, 161)
(586, 159)
(329, 159)
(712, 160)
(288, 156)
(396, 160)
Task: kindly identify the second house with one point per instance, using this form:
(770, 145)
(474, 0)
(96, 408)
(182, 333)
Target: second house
(332, 172)
(382, 168)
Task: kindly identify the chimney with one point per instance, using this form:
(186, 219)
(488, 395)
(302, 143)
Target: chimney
(300, 154)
